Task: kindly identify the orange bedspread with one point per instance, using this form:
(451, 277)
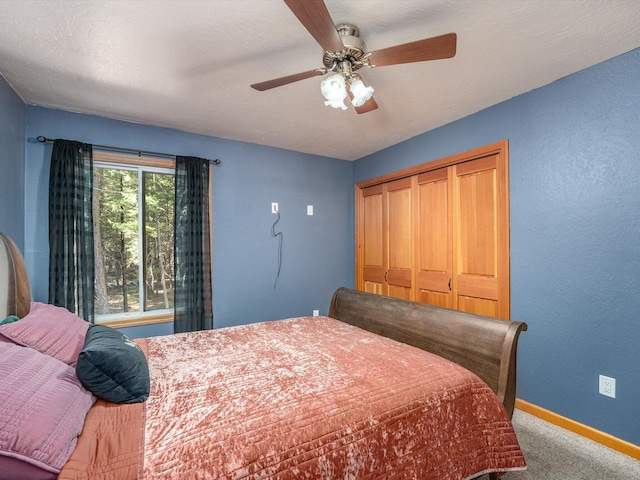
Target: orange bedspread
(111, 444)
(314, 398)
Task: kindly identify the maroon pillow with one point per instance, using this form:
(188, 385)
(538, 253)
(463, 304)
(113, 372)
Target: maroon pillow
(51, 330)
(14, 469)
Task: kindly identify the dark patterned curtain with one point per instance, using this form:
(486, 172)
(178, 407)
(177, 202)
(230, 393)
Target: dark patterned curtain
(71, 256)
(192, 243)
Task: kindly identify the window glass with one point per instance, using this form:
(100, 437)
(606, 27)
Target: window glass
(133, 221)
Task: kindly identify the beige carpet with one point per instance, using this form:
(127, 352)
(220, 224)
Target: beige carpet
(554, 453)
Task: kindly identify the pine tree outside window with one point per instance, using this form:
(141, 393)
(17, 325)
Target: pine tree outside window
(133, 209)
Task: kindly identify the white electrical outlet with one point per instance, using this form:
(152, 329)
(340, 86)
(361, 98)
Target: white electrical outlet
(274, 207)
(607, 386)
(316, 313)
(309, 209)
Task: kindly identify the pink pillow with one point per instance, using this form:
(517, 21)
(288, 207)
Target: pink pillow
(51, 330)
(42, 410)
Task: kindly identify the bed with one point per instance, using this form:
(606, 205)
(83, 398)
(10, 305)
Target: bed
(380, 388)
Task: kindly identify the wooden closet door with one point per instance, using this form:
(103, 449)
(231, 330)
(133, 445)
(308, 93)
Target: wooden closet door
(373, 239)
(399, 238)
(481, 237)
(434, 239)
(438, 233)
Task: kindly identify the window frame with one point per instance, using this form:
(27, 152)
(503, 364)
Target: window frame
(103, 159)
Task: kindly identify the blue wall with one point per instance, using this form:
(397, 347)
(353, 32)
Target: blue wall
(317, 250)
(12, 136)
(575, 234)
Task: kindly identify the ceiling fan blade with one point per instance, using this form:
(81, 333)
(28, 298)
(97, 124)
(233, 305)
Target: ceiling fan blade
(368, 106)
(313, 14)
(436, 48)
(278, 82)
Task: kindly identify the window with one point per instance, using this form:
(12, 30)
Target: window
(133, 208)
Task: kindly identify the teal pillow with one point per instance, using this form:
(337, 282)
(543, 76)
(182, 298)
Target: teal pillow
(9, 319)
(112, 366)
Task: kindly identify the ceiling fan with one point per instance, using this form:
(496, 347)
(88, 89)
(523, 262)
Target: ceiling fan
(345, 53)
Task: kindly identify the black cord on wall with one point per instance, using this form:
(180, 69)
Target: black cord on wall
(279, 234)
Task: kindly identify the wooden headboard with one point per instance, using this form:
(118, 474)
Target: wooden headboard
(484, 345)
(15, 292)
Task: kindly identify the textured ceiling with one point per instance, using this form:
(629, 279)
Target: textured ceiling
(188, 64)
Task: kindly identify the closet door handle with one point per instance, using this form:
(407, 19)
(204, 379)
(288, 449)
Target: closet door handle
(449, 284)
(385, 277)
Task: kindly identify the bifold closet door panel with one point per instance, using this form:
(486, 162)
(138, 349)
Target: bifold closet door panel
(476, 225)
(373, 268)
(399, 232)
(434, 242)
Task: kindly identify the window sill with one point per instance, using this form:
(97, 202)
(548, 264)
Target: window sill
(137, 321)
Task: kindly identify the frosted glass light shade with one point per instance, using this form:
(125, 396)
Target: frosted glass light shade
(333, 88)
(360, 92)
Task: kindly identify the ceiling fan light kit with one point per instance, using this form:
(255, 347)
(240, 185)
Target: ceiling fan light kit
(345, 52)
(335, 87)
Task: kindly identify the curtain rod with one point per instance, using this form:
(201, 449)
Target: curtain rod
(43, 139)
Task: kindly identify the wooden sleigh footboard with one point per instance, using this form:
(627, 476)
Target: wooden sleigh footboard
(484, 345)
